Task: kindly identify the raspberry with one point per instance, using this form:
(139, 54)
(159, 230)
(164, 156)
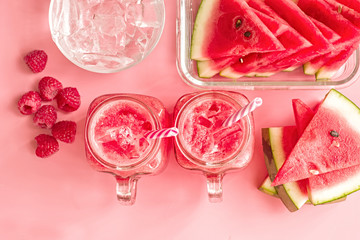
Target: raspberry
(64, 131)
(29, 103)
(68, 99)
(49, 88)
(45, 117)
(36, 60)
(46, 145)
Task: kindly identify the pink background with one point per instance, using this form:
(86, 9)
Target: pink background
(63, 198)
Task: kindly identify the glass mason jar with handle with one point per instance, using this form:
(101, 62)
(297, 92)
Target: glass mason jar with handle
(204, 144)
(115, 143)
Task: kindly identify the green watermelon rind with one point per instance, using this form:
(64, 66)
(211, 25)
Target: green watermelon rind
(205, 10)
(204, 70)
(333, 97)
(290, 193)
(327, 195)
(266, 187)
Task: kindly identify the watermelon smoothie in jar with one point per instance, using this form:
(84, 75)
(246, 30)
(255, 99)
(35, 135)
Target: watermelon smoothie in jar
(204, 144)
(115, 142)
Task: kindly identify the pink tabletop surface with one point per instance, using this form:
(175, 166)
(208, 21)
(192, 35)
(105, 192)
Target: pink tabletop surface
(61, 197)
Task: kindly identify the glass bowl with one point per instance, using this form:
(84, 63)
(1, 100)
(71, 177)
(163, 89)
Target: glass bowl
(296, 79)
(106, 35)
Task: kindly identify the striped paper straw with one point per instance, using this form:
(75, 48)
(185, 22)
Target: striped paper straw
(162, 133)
(243, 112)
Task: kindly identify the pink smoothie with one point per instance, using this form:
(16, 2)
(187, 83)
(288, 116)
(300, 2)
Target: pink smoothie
(203, 134)
(118, 131)
(203, 143)
(114, 134)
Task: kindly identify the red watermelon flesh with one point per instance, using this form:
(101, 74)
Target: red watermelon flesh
(316, 63)
(345, 11)
(330, 142)
(354, 4)
(262, 7)
(210, 68)
(295, 17)
(349, 36)
(329, 186)
(303, 115)
(337, 184)
(322, 12)
(290, 39)
(229, 28)
(330, 68)
(328, 33)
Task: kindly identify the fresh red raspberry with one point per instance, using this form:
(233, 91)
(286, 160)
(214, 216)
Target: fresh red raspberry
(68, 99)
(49, 88)
(29, 103)
(46, 145)
(36, 60)
(46, 116)
(64, 131)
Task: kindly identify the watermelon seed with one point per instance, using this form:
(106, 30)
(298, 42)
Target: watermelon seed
(238, 23)
(339, 8)
(314, 172)
(334, 133)
(247, 34)
(241, 60)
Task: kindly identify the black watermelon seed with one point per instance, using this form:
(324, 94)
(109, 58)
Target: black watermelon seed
(247, 34)
(334, 133)
(238, 23)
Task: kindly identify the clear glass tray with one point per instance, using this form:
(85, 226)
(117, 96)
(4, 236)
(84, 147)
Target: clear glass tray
(186, 13)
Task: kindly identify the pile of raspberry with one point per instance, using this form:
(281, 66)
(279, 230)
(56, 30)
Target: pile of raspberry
(45, 115)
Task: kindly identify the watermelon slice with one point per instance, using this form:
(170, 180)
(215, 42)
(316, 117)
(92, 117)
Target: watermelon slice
(350, 36)
(345, 11)
(330, 68)
(334, 185)
(209, 68)
(311, 67)
(296, 18)
(277, 145)
(290, 39)
(330, 142)
(229, 28)
(325, 187)
(266, 187)
(303, 115)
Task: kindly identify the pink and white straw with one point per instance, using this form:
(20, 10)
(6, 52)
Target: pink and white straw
(162, 133)
(243, 112)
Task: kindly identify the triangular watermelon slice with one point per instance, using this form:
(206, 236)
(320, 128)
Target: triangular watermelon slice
(277, 145)
(209, 68)
(330, 142)
(333, 185)
(345, 11)
(330, 68)
(350, 35)
(303, 115)
(296, 18)
(311, 67)
(290, 39)
(229, 28)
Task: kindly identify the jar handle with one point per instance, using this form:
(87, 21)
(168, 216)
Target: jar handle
(126, 189)
(214, 187)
